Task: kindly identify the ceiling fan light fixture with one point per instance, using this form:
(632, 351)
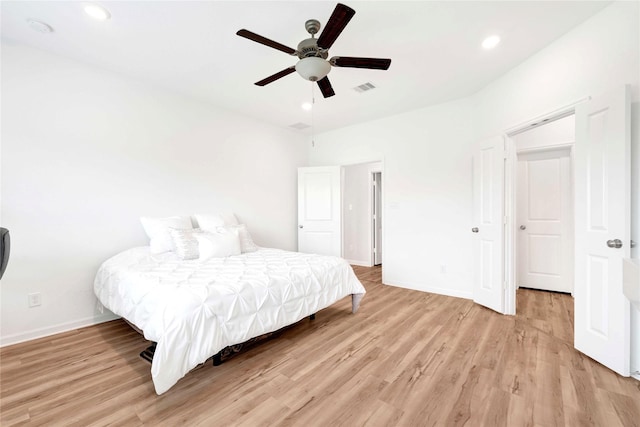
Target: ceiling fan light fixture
(313, 68)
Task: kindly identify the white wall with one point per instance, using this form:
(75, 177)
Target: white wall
(86, 152)
(357, 234)
(427, 153)
(426, 191)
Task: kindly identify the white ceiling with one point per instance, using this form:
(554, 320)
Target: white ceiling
(191, 48)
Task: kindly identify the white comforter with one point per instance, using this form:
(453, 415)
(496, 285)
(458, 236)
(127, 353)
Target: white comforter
(194, 309)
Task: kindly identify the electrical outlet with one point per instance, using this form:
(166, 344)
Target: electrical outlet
(35, 299)
(443, 268)
(100, 307)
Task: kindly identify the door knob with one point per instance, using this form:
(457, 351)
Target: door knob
(615, 243)
(474, 229)
(301, 226)
(523, 227)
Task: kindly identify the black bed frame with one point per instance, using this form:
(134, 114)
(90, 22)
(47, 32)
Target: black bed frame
(227, 352)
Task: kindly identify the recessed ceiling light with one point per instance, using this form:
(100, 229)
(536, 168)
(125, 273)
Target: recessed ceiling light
(490, 42)
(97, 12)
(39, 26)
(307, 106)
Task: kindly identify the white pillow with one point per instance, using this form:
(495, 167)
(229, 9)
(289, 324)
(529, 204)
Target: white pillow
(246, 242)
(185, 243)
(212, 222)
(218, 245)
(157, 230)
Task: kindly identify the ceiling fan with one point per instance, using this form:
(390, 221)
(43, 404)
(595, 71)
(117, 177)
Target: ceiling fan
(313, 64)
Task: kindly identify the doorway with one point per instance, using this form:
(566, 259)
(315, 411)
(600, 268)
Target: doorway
(544, 206)
(362, 211)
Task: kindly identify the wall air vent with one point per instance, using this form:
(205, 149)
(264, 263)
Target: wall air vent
(299, 126)
(364, 87)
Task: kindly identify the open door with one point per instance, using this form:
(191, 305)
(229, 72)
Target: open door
(319, 221)
(602, 236)
(488, 224)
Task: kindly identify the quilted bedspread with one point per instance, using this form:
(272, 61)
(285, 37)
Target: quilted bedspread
(194, 309)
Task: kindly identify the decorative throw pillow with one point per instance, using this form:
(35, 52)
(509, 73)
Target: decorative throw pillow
(246, 242)
(157, 230)
(212, 222)
(218, 245)
(185, 243)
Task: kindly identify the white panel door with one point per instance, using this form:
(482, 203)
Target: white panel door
(544, 220)
(319, 225)
(602, 193)
(488, 224)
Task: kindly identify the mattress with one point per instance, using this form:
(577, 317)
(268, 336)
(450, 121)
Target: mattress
(194, 309)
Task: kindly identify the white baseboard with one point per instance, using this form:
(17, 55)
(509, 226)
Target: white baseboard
(433, 289)
(359, 263)
(56, 329)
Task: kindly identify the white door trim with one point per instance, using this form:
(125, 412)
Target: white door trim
(545, 118)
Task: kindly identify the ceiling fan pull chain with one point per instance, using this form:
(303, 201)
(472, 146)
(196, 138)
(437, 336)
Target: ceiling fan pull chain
(313, 107)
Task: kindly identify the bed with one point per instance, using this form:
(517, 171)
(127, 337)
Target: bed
(193, 309)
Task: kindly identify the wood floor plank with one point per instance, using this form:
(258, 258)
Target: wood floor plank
(407, 358)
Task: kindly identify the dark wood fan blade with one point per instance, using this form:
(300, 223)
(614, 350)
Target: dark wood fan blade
(339, 19)
(276, 76)
(325, 87)
(371, 63)
(265, 41)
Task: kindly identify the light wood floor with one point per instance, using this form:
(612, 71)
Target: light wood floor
(406, 358)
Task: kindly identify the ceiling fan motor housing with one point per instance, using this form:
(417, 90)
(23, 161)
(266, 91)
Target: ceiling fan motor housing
(309, 47)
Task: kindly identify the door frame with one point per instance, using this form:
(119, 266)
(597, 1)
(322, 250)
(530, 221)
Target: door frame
(510, 235)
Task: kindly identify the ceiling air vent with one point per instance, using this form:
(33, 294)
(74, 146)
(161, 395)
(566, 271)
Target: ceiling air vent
(364, 87)
(299, 126)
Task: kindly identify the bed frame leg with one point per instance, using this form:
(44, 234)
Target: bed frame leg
(217, 359)
(312, 317)
(147, 354)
